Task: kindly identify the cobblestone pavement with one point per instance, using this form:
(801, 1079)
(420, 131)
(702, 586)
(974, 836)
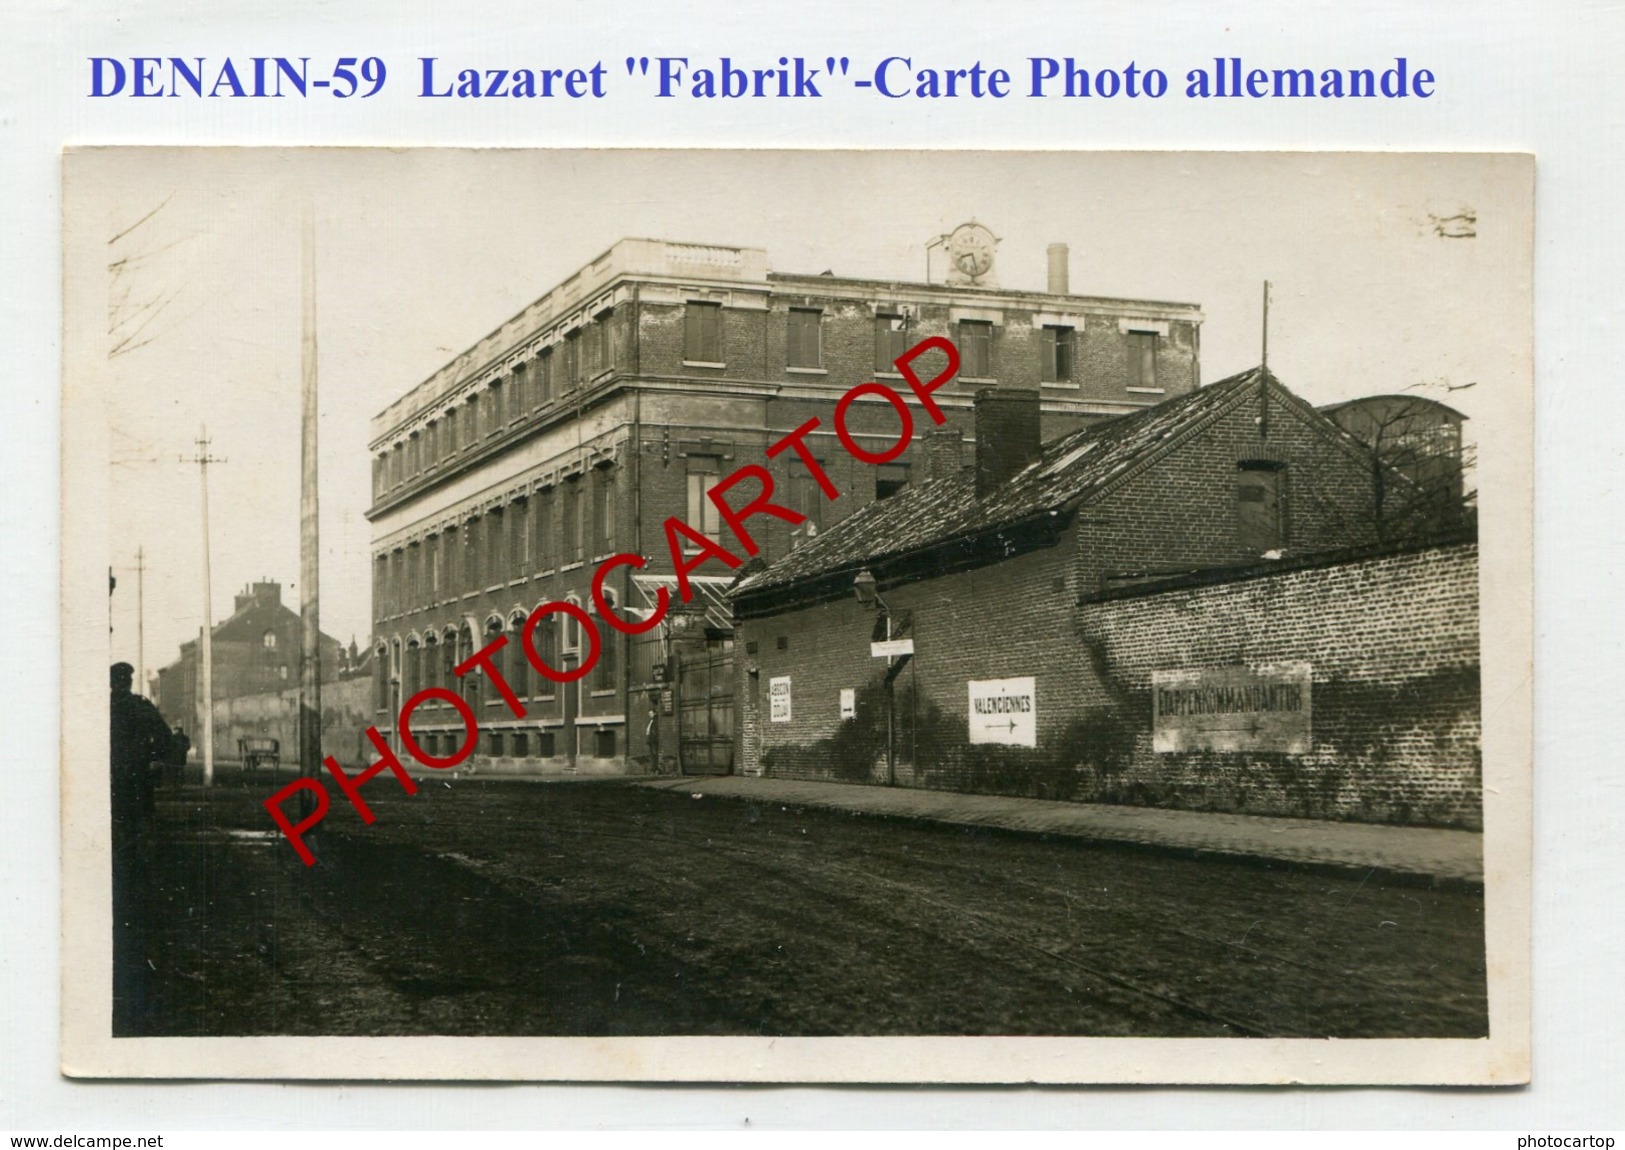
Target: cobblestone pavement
(1422, 852)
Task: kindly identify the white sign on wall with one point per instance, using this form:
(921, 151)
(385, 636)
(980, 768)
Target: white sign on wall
(849, 703)
(1237, 709)
(779, 699)
(1004, 711)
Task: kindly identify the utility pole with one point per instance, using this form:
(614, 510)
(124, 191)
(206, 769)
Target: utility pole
(140, 622)
(1264, 371)
(310, 667)
(206, 635)
(1264, 356)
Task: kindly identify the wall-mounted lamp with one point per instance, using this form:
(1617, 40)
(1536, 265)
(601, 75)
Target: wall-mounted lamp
(866, 588)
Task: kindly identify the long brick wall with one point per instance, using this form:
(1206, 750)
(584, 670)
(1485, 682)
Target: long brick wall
(1393, 647)
(1392, 642)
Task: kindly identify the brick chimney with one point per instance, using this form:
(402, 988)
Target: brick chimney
(262, 593)
(942, 458)
(1059, 268)
(1008, 435)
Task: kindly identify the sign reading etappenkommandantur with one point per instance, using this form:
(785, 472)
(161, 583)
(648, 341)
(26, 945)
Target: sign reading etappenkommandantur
(1261, 708)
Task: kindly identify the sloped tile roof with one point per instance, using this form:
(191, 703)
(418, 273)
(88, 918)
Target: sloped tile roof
(1070, 471)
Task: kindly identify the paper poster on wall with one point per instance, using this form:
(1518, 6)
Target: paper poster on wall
(849, 703)
(779, 699)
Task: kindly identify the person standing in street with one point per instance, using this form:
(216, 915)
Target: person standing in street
(139, 737)
(175, 762)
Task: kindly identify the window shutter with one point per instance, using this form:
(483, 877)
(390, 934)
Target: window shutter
(1258, 509)
(691, 331)
(711, 344)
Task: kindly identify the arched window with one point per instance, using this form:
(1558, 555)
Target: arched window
(448, 659)
(468, 685)
(268, 640)
(412, 673)
(494, 627)
(546, 641)
(518, 669)
(570, 638)
(380, 678)
(431, 661)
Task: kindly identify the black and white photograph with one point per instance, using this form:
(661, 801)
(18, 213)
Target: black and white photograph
(797, 616)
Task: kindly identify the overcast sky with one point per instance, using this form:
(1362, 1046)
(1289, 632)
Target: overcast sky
(195, 312)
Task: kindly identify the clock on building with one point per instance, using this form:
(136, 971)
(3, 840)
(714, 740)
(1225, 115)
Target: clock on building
(970, 247)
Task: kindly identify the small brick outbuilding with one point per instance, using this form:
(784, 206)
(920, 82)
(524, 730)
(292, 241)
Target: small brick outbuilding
(1223, 548)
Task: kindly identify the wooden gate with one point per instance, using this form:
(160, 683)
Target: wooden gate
(705, 708)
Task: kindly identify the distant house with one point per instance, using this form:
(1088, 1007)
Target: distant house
(1234, 526)
(255, 649)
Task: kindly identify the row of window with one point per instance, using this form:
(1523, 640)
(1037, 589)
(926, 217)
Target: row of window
(484, 414)
(550, 528)
(497, 743)
(418, 664)
(799, 491)
(804, 347)
(586, 352)
(566, 524)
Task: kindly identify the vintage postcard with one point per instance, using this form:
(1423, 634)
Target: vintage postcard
(797, 616)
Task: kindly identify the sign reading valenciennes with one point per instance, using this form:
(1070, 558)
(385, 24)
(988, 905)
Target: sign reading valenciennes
(1004, 711)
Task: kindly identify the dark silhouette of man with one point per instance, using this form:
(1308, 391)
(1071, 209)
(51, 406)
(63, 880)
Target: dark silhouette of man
(139, 736)
(175, 762)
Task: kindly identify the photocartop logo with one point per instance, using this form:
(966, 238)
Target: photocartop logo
(689, 549)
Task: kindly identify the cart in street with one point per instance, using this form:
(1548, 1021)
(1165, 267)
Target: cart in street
(258, 751)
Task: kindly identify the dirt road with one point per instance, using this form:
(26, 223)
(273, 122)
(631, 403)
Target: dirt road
(598, 908)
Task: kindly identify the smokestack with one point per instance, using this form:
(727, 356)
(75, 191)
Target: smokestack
(1008, 435)
(942, 459)
(1059, 259)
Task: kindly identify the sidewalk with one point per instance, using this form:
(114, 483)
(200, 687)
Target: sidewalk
(1416, 852)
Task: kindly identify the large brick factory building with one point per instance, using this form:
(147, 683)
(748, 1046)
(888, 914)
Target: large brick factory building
(619, 399)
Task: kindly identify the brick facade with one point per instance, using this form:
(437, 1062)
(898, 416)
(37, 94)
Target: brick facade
(255, 650)
(987, 623)
(1180, 511)
(1392, 641)
(598, 388)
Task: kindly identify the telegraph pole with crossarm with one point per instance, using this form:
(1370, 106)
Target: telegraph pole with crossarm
(206, 643)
